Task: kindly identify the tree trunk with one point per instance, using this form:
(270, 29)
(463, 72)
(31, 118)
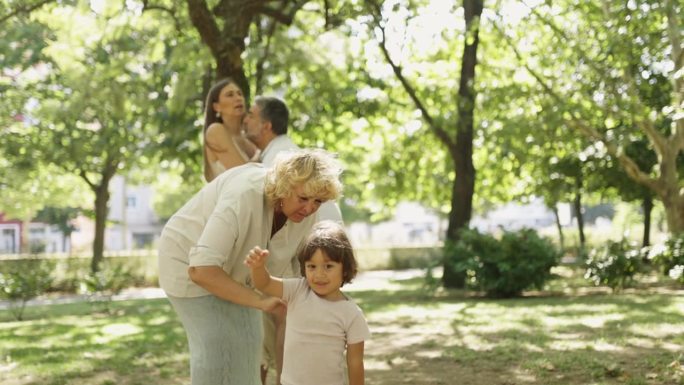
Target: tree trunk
(577, 204)
(226, 45)
(462, 155)
(101, 199)
(647, 205)
(674, 214)
(68, 246)
(561, 239)
(24, 240)
(101, 191)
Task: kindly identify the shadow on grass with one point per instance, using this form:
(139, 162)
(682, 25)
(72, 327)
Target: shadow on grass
(141, 336)
(420, 336)
(635, 337)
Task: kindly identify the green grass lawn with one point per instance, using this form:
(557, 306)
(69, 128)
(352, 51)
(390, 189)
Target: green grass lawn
(568, 334)
(133, 343)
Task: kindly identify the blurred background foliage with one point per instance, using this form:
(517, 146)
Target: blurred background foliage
(576, 101)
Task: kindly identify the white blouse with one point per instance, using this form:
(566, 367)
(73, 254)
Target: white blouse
(218, 226)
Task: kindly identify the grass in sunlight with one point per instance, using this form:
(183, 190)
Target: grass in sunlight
(591, 339)
(77, 344)
(569, 333)
(562, 335)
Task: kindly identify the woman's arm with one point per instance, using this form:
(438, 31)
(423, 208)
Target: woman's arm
(215, 280)
(355, 364)
(262, 280)
(247, 147)
(222, 147)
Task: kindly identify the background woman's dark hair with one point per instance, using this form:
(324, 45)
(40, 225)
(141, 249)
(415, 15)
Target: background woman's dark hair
(330, 237)
(211, 118)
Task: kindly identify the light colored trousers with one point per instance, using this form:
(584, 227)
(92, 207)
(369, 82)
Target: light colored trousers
(224, 339)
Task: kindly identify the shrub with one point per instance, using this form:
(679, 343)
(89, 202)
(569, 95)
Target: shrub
(68, 273)
(37, 247)
(614, 265)
(431, 283)
(106, 283)
(669, 257)
(503, 268)
(24, 282)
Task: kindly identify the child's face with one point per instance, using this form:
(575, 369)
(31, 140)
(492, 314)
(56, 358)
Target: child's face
(324, 276)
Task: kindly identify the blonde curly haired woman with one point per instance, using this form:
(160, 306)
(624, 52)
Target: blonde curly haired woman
(202, 247)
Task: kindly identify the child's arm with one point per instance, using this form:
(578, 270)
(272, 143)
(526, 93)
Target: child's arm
(256, 261)
(355, 364)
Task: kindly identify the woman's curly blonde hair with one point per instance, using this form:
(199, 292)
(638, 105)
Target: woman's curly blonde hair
(317, 171)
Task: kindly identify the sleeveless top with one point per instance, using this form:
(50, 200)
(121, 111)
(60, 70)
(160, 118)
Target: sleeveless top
(217, 167)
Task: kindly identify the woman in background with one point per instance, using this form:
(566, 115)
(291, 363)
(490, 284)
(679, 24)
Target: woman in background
(224, 145)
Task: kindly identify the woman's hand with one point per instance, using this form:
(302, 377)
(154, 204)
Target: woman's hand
(273, 305)
(215, 280)
(256, 258)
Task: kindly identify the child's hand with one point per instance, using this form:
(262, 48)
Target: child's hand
(256, 258)
(273, 305)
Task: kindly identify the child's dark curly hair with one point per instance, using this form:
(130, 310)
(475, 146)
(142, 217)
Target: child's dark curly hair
(331, 239)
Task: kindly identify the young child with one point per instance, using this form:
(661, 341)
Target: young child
(321, 320)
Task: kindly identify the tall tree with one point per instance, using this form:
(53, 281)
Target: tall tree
(611, 176)
(90, 105)
(455, 133)
(26, 183)
(598, 83)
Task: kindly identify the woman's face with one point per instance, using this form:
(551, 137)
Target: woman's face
(230, 102)
(298, 205)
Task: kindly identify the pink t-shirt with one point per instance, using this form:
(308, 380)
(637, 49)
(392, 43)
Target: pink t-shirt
(317, 335)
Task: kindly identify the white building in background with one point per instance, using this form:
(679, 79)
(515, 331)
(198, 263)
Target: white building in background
(47, 238)
(412, 225)
(515, 216)
(10, 235)
(42, 237)
(132, 222)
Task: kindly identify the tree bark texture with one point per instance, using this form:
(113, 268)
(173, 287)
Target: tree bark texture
(101, 191)
(647, 206)
(227, 44)
(577, 205)
(559, 227)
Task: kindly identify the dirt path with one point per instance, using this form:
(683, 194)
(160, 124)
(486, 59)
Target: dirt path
(369, 280)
